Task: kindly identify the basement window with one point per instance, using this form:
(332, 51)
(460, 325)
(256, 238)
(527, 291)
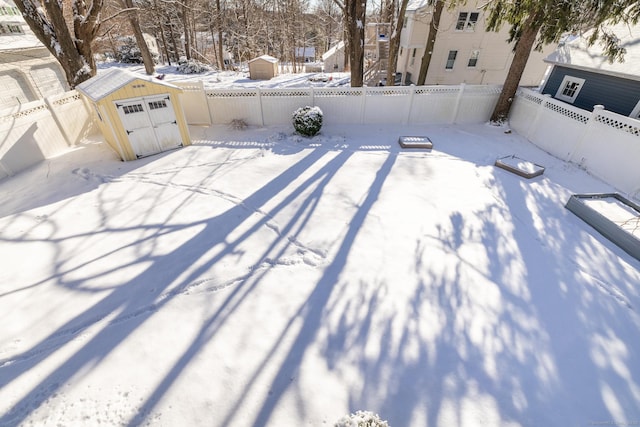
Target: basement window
(569, 89)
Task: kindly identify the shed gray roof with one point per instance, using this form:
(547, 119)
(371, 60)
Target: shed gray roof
(576, 53)
(112, 79)
(265, 58)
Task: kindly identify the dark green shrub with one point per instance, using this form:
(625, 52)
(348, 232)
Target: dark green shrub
(307, 120)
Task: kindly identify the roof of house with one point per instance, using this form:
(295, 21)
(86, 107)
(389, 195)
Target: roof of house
(111, 80)
(333, 50)
(305, 51)
(265, 58)
(417, 4)
(575, 52)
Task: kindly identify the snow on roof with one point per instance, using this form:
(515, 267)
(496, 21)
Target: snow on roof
(27, 40)
(333, 50)
(265, 58)
(417, 4)
(112, 79)
(576, 53)
(305, 51)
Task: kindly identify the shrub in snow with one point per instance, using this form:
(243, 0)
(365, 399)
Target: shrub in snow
(238, 124)
(129, 52)
(192, 66)
(361, 419)
(307, 120)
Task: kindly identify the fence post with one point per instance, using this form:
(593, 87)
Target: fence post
(534, 123)
(410, 106)
(456, 108)
(364, 103)
(597, 109)
(260, 106)
(56, 119)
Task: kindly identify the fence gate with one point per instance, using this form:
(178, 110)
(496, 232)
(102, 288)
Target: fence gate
(150, 124)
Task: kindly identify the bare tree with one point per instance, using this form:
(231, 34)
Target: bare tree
(394, 42)
(431, 41)
(354, 12)
(134, 22)
(70, 46)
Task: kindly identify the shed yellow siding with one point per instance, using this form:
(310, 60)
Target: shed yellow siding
(111, 125)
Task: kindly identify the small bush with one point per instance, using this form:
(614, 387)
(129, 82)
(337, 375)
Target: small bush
(307, 120)
(238, 124)
(361, 419)
(129, 52)
(192, 67)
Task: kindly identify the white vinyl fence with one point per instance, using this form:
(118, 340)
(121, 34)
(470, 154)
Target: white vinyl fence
(37, 130)
(344, 105)
(604, 143)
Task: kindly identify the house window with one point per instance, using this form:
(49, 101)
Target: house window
(451, 59)
(413, 56)
(569, 89)
(467, 21)
(473, 59)
(15, 29)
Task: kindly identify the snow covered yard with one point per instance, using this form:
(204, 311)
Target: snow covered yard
(258, 278)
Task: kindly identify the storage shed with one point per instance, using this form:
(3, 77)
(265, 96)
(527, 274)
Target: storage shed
(264, 67)
(138, 115)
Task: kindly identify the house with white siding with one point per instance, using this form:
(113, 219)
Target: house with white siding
(27, 70)
(463, 52)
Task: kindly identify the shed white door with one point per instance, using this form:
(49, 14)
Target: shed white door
(150, 124)
(163, 119)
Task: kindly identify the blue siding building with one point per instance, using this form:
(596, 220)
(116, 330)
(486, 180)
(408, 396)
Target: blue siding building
(582, 76)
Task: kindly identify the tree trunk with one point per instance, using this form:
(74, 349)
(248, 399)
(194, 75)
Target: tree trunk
(519, 62)
(394, 45)
(356, 20)
(220, 43)
(73, 52)
(174, 42)
(132, 16)
(431, 41)
(187, 32)
(164, 39)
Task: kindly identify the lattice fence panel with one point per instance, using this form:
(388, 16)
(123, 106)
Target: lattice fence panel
(620, 123)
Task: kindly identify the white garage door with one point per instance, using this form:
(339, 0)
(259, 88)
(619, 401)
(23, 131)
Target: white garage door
(14, 90)
(150, 123)
(48, 80)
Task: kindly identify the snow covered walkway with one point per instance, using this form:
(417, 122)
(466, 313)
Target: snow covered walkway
(258, 278)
